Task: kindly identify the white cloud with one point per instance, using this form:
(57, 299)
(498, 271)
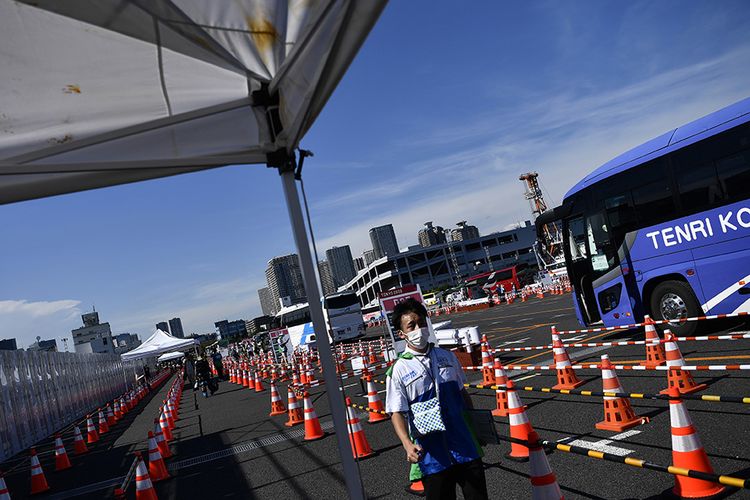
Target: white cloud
(25, 320)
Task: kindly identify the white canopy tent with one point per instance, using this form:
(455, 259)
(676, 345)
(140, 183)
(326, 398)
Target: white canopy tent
(159, 343)
(95, 93)
(170, 356)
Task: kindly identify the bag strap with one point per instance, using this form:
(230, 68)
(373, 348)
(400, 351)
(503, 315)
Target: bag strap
(434, 374)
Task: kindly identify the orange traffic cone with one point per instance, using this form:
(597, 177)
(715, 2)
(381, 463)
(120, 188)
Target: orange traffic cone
(566, 376)
(654, 350)
(360, 446)
(258, 383)
(488, 373)
(618, 414)
(61, 456)
(296, 415)
(543, 481)
(520, 428)
(103, 427)
(680, 379)
(79, 445)
(312, 423)
(501, 395)
(277, 407)
(416, 488)
(157, 469)
(110, 416)
(4, 494)
(38, 481)
(144, 489)
(160, 441)
(688, 452)
(374, 403)
(118, 414)
(168, 414)
(93, 436)
(165, 427)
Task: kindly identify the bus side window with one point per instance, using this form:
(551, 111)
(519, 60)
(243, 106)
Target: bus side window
(699, 187)
(734, 173)
(577, 241)
(653, 202)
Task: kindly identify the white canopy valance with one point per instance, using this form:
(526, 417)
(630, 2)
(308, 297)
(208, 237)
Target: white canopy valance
(159, 343)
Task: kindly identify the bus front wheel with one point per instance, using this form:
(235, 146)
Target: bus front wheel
(674, 300)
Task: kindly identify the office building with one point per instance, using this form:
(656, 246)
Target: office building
(43, 345)
(259, 324)
(342, 267)
(368, 256)
(383, 240)
(433, 267)
(8, 345)
(175, 328)
(326, 277)
(430, 235)
(93, 336)
(125, 342)
(464, 232)
(163, 326)
(359, 264)
(231, 329)
(268, 305)
(285, 280)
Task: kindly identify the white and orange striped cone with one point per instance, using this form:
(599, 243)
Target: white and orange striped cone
(488, 372)
(310, 374)
(258, 383)
(168, 415)
(79, 445)
(4, 493)
(371, 353)
(539, 294)
(62, 461)
(144, 489)
(296, 415)
(173, 409)
(295, 378)
(118, 415)
(566, 376)
(374, 403)
(103, 426)
(110, 416)
(38, 481)
(360, 446)
(312, 423)
(688, 452)
(93, 436)
(654, 349)
(680, 379)
(277, 406)
(618, 414)
(245, 378)
(160, 441)
(501, 395)
(520, 427)
(165, 427)
(543, 481)
(157, 469)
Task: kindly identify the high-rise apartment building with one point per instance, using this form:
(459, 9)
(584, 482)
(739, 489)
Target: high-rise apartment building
(285, 279)
(383, 240)
(326, 277)
(175, 326)
(464, 232)
(268, 305)
(359, 263)
(431, 235)
(368, 256)
(342, 267)
(163, 326)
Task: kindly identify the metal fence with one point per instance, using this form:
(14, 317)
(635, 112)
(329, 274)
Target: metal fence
(42, 392)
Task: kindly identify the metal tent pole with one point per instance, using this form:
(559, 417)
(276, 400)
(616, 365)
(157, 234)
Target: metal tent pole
(335, 398)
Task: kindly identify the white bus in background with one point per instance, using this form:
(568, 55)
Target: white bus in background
(342, 312)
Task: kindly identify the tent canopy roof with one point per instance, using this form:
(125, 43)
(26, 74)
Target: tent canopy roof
(158, 343)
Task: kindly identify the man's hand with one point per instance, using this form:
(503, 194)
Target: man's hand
(413, 452)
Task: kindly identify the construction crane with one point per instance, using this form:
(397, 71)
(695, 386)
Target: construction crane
(548, 247)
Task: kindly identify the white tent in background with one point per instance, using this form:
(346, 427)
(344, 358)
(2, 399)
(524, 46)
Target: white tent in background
(95, 93)
(169, 356)
(159, 343)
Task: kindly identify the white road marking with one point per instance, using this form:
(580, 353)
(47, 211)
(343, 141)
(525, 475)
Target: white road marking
(570, 340)
(603, 444)
(559, 315)
(526, 377)
(509, 342)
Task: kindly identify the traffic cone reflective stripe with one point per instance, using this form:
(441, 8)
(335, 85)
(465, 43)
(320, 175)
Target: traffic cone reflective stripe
(520, 427)
(61, 456)
(79, 445)
(360, 446)
(103, 427)
(679, 379)
(4, 493)
(93, 436)
(654, 349)
(144, 489)
(38, 481)
(110, 416)
(296, 415)
(566, 376)
(312, 423)
(543, 481)
(165, 427)
(374, 403)
(157, 469)
(688, 452)
(618, 414)
(501, 395)
(258, 383)
(488, 373)
(160, 441)
(277, 406)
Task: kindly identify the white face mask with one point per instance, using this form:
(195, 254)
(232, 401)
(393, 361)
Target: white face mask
(418, 338)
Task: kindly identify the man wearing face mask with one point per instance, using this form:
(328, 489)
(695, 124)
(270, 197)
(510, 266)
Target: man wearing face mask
(438, 442)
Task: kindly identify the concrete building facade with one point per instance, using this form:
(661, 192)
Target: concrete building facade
(431, 235)
(342, 267)
(93, 336)
(326, 277)
(163, 326)
(285, 279)
(175, 328)
(464, 231)
(383, 240)
(267, 304)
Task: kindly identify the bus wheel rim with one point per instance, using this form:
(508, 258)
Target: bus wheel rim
(673, 307)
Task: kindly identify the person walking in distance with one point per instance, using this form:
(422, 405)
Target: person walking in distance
(426, 400)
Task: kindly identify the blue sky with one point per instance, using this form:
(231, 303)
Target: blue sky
(443, 108)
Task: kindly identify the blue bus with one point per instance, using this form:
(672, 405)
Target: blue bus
(663, 229)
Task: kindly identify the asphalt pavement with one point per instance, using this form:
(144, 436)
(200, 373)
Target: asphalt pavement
(227, 445)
